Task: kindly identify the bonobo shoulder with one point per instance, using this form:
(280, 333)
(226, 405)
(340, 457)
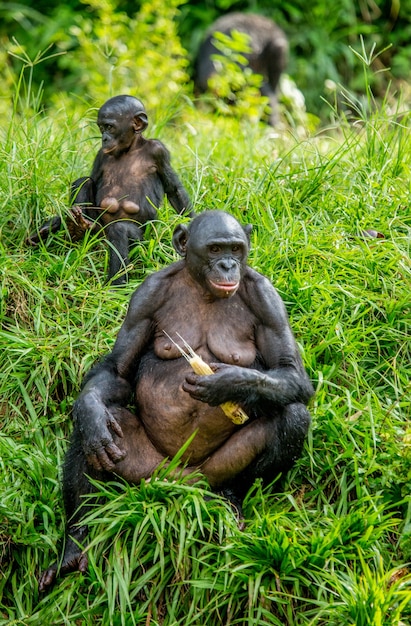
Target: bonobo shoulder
(154, 290)
(161, 278)
(262, 296)
(158, 150)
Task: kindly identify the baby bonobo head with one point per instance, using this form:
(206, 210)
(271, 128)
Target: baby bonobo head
(215, 246)
(119, 120)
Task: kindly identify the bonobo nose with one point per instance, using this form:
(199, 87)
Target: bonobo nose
(226, 264)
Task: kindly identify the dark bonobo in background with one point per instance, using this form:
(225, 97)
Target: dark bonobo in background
(235, 320)
(129, 178)
(268, 57)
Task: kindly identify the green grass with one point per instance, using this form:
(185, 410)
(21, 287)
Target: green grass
(332, 545)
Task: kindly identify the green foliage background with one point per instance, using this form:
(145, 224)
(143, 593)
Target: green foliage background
(320, 37)
(332, 546)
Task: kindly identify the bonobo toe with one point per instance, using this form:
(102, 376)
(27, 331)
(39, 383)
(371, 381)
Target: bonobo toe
(47, 578)
(83, 564)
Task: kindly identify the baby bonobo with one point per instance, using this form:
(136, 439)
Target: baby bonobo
(235, 320)
(128, 181)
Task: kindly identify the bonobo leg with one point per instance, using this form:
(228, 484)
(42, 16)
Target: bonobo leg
(50, 226)
(82, 193)
(75, 485)
(120, 235)
(141, 460)
(263, 449)
(272, 104)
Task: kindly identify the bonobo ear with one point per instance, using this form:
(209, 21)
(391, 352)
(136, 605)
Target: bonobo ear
(180, 237)
(247, 229)
(140, 122)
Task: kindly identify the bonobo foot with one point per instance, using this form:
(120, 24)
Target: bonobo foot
(74, 560)
(236, 503)
(78, 224)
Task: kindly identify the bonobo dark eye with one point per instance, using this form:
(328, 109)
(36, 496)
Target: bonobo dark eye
(214, 249)
(237, 249)
(104, 128)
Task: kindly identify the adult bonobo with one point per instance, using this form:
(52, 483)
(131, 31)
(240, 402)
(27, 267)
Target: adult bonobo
(128, 181)
(268, 55)
(236, 321)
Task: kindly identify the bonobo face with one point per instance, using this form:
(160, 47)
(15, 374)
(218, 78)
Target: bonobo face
(119, 120)
(117, 132)
(216, 253)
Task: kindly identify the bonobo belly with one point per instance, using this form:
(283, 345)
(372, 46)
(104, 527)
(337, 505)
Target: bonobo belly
(170, 415)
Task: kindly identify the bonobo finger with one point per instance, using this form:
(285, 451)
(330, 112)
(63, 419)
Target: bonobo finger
(47, 577)
(105, 461)
(195, 391)
(115, 453)
(115, 427)
(32, 240)
(192, 379)
(83, 563)
(76, 211)
(215, 366)
(92, 459)
(189, 388)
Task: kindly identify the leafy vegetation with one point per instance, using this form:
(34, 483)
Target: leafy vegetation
(330, 546)
(109, 43)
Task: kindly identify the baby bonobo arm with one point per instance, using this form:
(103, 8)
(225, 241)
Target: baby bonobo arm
(173, 187)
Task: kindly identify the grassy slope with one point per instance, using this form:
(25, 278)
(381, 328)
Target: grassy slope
(331, 548)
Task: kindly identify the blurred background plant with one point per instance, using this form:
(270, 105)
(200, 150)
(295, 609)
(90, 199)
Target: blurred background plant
(97, 47)
(94, 50)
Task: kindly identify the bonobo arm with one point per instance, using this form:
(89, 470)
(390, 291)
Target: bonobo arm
(173, 186)
(281, 379)
(109, 384)
(103, 388)
(97, 167)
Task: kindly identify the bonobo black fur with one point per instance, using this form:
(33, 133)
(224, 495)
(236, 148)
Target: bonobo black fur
(128, 181)
(268, 56)
(235, 320)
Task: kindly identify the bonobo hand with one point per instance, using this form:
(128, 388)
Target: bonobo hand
(95, 422)
(229, 382)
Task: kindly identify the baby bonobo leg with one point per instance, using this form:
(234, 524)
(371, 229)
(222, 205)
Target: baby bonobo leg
(50, 226)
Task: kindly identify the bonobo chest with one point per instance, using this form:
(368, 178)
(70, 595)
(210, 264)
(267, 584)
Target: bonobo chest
(126, 179)
(218, 330)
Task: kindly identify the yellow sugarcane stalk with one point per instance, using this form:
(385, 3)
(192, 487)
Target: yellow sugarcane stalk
(231, 409)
